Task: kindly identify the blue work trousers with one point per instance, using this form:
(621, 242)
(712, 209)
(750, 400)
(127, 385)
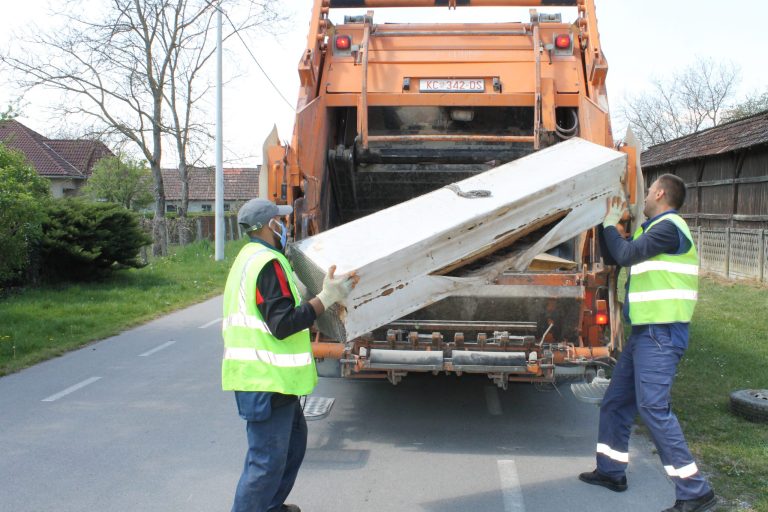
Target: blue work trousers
(276, 447)
(641, 383)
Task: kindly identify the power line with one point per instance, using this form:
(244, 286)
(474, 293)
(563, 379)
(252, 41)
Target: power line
(257, 62)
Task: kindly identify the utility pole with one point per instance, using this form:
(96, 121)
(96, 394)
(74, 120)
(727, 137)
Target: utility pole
(219, 234)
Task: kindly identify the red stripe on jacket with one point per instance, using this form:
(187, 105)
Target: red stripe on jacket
(282, 279)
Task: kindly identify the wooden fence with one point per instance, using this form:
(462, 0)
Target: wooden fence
(733, 253)
(192, 229)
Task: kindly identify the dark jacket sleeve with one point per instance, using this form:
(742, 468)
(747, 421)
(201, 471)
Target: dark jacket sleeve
(276, 303)
(662, 237)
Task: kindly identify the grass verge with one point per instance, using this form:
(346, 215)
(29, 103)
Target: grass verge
(728, 350)
(45, 322)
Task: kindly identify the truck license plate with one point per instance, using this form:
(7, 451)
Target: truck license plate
(452, 85)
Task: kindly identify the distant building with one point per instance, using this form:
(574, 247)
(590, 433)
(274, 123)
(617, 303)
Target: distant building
(66, 163)
(240, 185)
(725, 170)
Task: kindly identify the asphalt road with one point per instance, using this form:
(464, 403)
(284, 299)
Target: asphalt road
(138, 423)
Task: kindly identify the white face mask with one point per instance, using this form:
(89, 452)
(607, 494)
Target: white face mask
(280, 231)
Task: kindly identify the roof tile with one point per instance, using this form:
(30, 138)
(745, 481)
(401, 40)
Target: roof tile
(240, 184)
(740, 134)
(53, 158)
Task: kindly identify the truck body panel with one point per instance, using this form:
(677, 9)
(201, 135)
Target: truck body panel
(390, 112)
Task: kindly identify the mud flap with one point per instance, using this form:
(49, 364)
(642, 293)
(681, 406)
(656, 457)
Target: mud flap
(317, 407)
(591, 392)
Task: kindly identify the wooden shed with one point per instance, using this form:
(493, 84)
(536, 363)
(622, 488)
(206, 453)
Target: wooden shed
(725, 169)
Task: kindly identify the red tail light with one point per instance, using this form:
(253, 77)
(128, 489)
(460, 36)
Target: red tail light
(343, 42)
(601, 317)
(563, 41)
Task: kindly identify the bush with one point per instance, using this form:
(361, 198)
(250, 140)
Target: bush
(23, 195)
(85, 241)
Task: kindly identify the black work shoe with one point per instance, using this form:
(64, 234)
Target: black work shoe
(701, 504)
(290, 508)
(614, 484)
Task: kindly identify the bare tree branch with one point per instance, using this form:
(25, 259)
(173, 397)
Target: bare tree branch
(689, 101)
(131, 68)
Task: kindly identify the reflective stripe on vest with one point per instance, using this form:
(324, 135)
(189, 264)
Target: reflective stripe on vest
(663, 295)
(243, 320)
(664, 289)
(265, 356)
(254, 360)
(678, 268)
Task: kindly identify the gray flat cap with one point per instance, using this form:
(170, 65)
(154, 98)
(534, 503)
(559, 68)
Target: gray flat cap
(256, 213)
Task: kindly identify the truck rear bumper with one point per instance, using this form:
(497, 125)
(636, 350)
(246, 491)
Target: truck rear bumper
(470, 361)
(545, 365)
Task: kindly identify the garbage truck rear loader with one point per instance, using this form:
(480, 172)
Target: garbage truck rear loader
(389, 112)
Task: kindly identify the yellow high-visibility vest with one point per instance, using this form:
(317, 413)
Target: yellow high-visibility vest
(254, 360)
(664, 289)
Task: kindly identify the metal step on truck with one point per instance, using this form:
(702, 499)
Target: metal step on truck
(388, 112)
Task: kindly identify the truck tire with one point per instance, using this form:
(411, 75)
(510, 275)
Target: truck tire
(751, 404)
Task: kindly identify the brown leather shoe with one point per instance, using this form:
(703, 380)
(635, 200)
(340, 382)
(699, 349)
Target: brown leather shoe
(595, 478)
(700, 504)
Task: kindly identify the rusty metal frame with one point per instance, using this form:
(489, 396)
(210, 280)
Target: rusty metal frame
(537, 94)
(334, 4)
(448, 138)
(363, 107)
(418, 33)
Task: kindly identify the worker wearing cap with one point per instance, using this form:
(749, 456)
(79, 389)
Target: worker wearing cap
(662, 289)
(268, 359)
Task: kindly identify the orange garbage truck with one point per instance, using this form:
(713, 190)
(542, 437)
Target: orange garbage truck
(388, 112)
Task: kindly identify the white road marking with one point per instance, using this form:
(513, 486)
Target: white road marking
(492, 400)
(70, 389)
(510, 486)
(212, 322)
(157, 349)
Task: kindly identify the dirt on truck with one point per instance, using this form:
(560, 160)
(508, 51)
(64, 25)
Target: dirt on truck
(388, 112)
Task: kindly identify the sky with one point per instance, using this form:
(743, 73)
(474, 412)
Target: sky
(642, 40)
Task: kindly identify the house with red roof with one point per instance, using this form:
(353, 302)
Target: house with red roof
(66, 163)
(240, 185)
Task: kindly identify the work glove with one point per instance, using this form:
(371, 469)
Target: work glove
(615, 212)
(336, 289)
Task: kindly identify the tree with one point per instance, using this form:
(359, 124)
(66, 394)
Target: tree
(753, 104)
(12, 110)
(690, 100)
(122, 180)
(117, 67)
(23, 194)
(188, 84)
(9, 113)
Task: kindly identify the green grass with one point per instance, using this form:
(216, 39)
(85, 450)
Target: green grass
(728, 350)
(41, 323)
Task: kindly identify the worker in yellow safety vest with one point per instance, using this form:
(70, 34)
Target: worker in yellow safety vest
(268, 359)
(662, 289)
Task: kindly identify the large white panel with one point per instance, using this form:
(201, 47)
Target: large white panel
(397, 252)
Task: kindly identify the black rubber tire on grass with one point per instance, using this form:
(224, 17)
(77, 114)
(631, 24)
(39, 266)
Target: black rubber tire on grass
(751, 404)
